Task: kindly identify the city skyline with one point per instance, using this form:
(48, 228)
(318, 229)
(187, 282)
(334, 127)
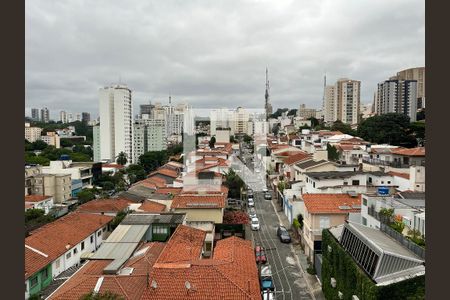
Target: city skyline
(170, 51)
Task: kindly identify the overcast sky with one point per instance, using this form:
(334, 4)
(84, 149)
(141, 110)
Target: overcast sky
(214, 53)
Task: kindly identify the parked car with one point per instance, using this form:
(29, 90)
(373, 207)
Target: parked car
(260, 255)
(283, 234)
(255, 224)
(250, 192)
(266, 279)
(267, 196)
(268, 295)
(251, 203)
(265, 190)
(252, 213)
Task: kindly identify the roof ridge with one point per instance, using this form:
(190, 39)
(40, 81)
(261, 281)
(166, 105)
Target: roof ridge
(247, 293)
(121, 287)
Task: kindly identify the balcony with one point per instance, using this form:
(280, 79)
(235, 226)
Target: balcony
(393, 164)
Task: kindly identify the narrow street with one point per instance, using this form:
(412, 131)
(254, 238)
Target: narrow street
(287, 274)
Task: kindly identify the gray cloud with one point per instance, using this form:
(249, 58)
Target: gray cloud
(214, 53)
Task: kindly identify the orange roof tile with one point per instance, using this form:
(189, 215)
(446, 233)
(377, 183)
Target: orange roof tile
(35, 261)
(419, 151)
(203, 188)
(152, 206)
(329, 203)
(117, 166)
(104, 205)
(36, 198)
(71, 229)
(166, 172)
(398, 174)
(210, 200)
(298, 156)
(185, 245)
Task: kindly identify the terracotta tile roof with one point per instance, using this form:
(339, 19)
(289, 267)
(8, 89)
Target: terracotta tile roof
(36, 198)
(35, 261)
(152, 182)
(128, 286)
(71, 229)
(203, 188)
(398, 174)
(104, 205)
(345, 147)
(298, 156)
(419, 151)
(166, 172)
(28, 205)
(185, 245)
(152, 206)
(329, 203)
(330, 133)
(192, 201)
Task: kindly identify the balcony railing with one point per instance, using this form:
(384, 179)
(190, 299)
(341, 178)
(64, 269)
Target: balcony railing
(393, 164)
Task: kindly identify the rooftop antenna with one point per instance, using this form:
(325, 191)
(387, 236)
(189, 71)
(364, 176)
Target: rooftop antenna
(324, 87)
(170, 98)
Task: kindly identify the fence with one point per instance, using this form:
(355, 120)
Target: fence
(416, 249)
(318, 265)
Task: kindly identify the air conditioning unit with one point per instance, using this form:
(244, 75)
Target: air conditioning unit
(333, 282)
(340, 295)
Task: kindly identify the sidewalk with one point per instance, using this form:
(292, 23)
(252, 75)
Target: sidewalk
(313, 282)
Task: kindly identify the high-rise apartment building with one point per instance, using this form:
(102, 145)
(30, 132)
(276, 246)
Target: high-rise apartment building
(96, 142)
(241, 118)
(116, 122)
(35, 114)
(146, 109)
(45, 115)
(397, 96)
(149, 135)
(70, 117)
(417, 74)
(221, 118)
(78, 117)
(342, 101)
(63, 117)
(305, 112)
(85, 117)
(32, 134)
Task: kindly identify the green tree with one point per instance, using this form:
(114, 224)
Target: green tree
(292, 112)
(39, 145)
(122, 158)
(333, 154)
(85, 196)
(281, 186)
(136, 173)
(342, 127)
(314, 122)
(175, 149)
(275, 129)
(66, 143)
(152, 160)
(247, 139)
(234, 184)
(117, 219)
(31, 158)
(212, 142)
(278, 113)
(391, 128)
(78, 157)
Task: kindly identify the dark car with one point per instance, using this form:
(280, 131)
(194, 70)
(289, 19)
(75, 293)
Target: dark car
(267, 196)
(283, 234)
(260, 255)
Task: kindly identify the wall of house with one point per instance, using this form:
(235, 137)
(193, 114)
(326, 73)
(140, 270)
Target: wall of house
(202, 214)
(417, 178)
(313, 185)
(402, 183)
(64, 262)
(300, 173)
(42, 282)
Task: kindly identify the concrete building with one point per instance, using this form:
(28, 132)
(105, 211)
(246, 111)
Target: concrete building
(116, 127)
(241, 118)
(32, 134)
(397, 96)
(347, 95)
(39, 202)
(306, 113)
(52, 139)
(59, 186)
(96, 142)
(35, 114)
(85, 117)
(146, 109)
(45, 115)
(149, 135)
(221, 118)
(80, 173)
(63, 117)
(417, 74)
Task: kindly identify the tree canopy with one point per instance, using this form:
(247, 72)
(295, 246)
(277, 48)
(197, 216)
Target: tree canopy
(122, 158)
(153, 159)
(234, 184)
(212, 142)
(392, 128)
(342, 127)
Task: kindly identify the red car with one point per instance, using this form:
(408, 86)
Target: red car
(260, 255)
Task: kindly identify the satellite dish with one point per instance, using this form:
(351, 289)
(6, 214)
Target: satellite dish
(187, 284)
(154, 284)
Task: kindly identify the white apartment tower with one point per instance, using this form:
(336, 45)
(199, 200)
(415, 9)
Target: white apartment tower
(330, 103)
(63, 117)
(116, 122)
(342, 101)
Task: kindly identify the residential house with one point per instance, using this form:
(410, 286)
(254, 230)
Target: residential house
(166, 174)
(311, 165)
(57, 185)
(381, 267)
(171, 270)
(59, 245)
(323, 211)
(288, 167)
(108, 207)
(39, 202)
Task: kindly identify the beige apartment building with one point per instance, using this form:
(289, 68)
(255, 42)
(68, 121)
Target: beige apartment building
(342, 101)
(32, 134)
(57, 185)
(415, 74)
(52, 139)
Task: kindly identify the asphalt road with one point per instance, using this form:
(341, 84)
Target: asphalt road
(288, 277)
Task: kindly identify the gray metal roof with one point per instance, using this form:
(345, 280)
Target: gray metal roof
(381, 241)
(411, 195)
(341, 174)
(310, 163)
(146, 218)
(132, 197)
(141, 190)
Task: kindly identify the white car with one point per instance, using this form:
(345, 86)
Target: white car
(251, 203)
(265, 190)
(255, 224)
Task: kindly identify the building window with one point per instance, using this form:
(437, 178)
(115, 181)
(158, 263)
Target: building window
(104, 229)
(82, 246)
(68, 255)
(389, 182)
(364, 221)
(314, 184)
(57, 263)
(33, 282)
(364, 201)
(324, 222)
(99, 233)
(75, 251)
(355, 182)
